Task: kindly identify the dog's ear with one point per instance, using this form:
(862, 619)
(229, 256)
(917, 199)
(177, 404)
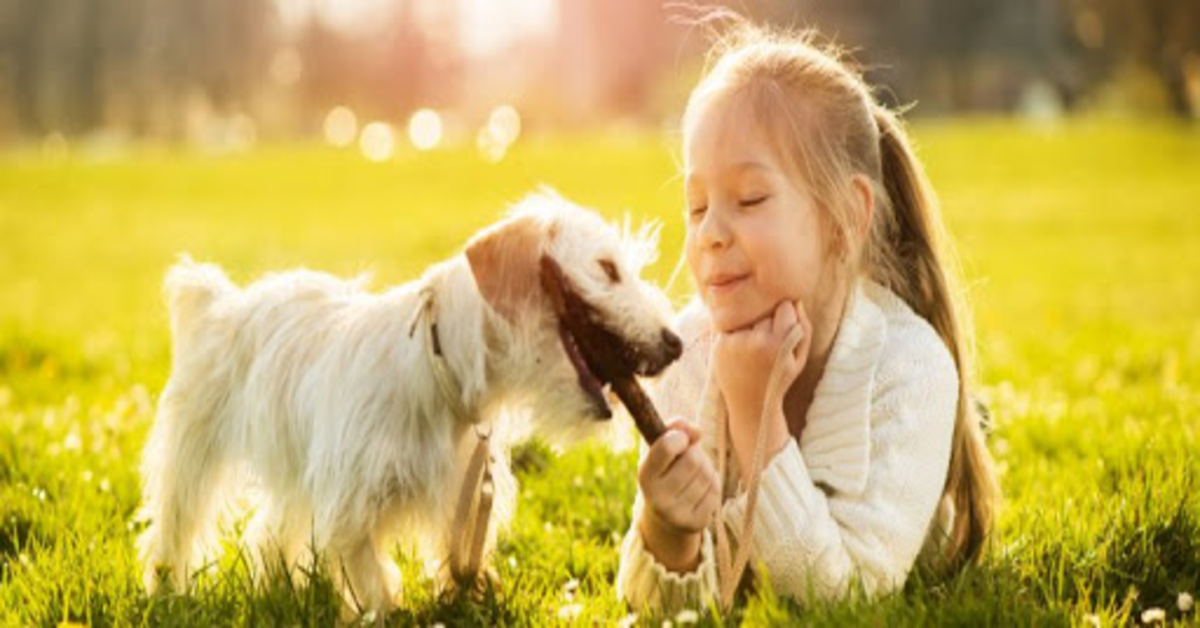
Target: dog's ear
(504, 261)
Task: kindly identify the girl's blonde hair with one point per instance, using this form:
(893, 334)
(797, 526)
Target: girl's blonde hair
(827, 126)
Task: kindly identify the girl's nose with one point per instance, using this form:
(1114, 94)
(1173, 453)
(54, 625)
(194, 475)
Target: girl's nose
(713, 232)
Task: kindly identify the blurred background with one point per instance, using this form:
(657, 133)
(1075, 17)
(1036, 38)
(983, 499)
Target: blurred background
(376, 136)
(224, 74)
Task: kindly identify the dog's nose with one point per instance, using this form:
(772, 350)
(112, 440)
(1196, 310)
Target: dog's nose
(672, 344)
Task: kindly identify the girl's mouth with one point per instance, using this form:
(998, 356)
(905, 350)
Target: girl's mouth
(724, 285)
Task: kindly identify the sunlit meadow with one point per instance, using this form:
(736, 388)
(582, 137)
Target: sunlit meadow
(1081, 249)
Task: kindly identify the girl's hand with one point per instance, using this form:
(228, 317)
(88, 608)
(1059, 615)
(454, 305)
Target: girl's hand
(681, 494)
(743, 360)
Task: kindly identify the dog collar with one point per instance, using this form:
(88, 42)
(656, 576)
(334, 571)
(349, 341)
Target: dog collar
(446, 382)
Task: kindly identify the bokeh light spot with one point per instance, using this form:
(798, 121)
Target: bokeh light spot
(425, 129)
(341, 126)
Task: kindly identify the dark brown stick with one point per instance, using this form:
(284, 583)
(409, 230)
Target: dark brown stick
(645, 415)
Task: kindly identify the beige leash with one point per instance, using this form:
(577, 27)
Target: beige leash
(729, 572)
(469, 532)
(471, 516)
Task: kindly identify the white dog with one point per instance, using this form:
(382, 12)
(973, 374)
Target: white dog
(329, 396)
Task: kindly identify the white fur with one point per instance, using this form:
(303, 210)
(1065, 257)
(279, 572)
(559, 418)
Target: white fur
(311, 387)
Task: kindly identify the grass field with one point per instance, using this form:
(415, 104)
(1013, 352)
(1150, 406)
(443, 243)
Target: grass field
(1081, 247)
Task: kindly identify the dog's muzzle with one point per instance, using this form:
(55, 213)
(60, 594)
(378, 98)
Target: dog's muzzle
(598, 354)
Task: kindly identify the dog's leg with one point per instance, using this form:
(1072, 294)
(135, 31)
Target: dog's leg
(365, 577)
(183, 471)
(276, 536)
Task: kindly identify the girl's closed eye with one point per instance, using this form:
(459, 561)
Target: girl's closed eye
(752, 200)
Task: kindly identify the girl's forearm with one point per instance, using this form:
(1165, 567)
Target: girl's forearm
(678, 552)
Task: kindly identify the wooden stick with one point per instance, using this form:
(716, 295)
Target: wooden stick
(645, 415)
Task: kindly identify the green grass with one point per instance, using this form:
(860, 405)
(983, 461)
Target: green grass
(1081, 246)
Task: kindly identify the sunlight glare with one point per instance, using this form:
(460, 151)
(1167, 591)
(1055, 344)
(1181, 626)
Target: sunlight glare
(377, 141)
(341, 126)
(505, 124)
(425, 129)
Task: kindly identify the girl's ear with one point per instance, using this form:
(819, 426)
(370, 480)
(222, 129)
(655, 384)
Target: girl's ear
(864, 210)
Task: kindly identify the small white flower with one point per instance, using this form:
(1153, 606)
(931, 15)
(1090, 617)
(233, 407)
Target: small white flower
(570, 611)
(628, 620)
(687, 616)
(1185, 602)
(1154, 616)
(1092, 619)
(512, 562)
(569, 590)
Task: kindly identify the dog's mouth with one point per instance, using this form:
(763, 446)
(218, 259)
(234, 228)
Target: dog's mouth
(596, 389)
(598, 354)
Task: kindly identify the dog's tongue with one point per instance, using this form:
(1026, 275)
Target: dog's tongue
(587, 379)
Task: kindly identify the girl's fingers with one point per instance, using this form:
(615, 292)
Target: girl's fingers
(689, 485)
(763, 326)
(695, 492)
(683, 425)
(802, 316)
(704, 508)
(785, 318)
(663, 453)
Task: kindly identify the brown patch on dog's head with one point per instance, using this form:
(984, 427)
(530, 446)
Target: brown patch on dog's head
(504, 261)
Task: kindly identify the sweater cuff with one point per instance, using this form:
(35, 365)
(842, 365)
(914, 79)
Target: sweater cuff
(646, 584)
(786, 495)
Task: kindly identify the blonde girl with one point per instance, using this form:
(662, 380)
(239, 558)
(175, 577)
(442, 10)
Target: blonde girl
(812, 235)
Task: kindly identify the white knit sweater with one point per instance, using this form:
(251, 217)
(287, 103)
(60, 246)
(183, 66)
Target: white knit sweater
(860, 495)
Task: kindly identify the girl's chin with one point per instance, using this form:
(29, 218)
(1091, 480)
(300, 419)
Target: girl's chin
(732, 318)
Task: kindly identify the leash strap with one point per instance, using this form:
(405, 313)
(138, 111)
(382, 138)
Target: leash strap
(471, 516)
(471, 524)
(730, 571)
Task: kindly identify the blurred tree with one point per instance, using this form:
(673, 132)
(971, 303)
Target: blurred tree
(1161, 36)
(394, 65)
(70, 63)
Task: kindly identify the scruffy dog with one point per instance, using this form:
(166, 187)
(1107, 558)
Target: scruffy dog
(350, 411)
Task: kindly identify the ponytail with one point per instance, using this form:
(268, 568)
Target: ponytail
(915, 261)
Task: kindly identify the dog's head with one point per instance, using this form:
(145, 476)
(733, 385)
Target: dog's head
(568, 284)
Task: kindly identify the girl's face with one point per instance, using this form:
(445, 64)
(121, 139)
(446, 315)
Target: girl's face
(754, 236)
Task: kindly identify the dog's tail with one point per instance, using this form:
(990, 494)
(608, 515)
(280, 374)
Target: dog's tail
(190, 288)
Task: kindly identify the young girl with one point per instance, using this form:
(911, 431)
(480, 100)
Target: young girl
(812, 234)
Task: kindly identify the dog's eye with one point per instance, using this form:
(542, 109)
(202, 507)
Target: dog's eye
(610, 269)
